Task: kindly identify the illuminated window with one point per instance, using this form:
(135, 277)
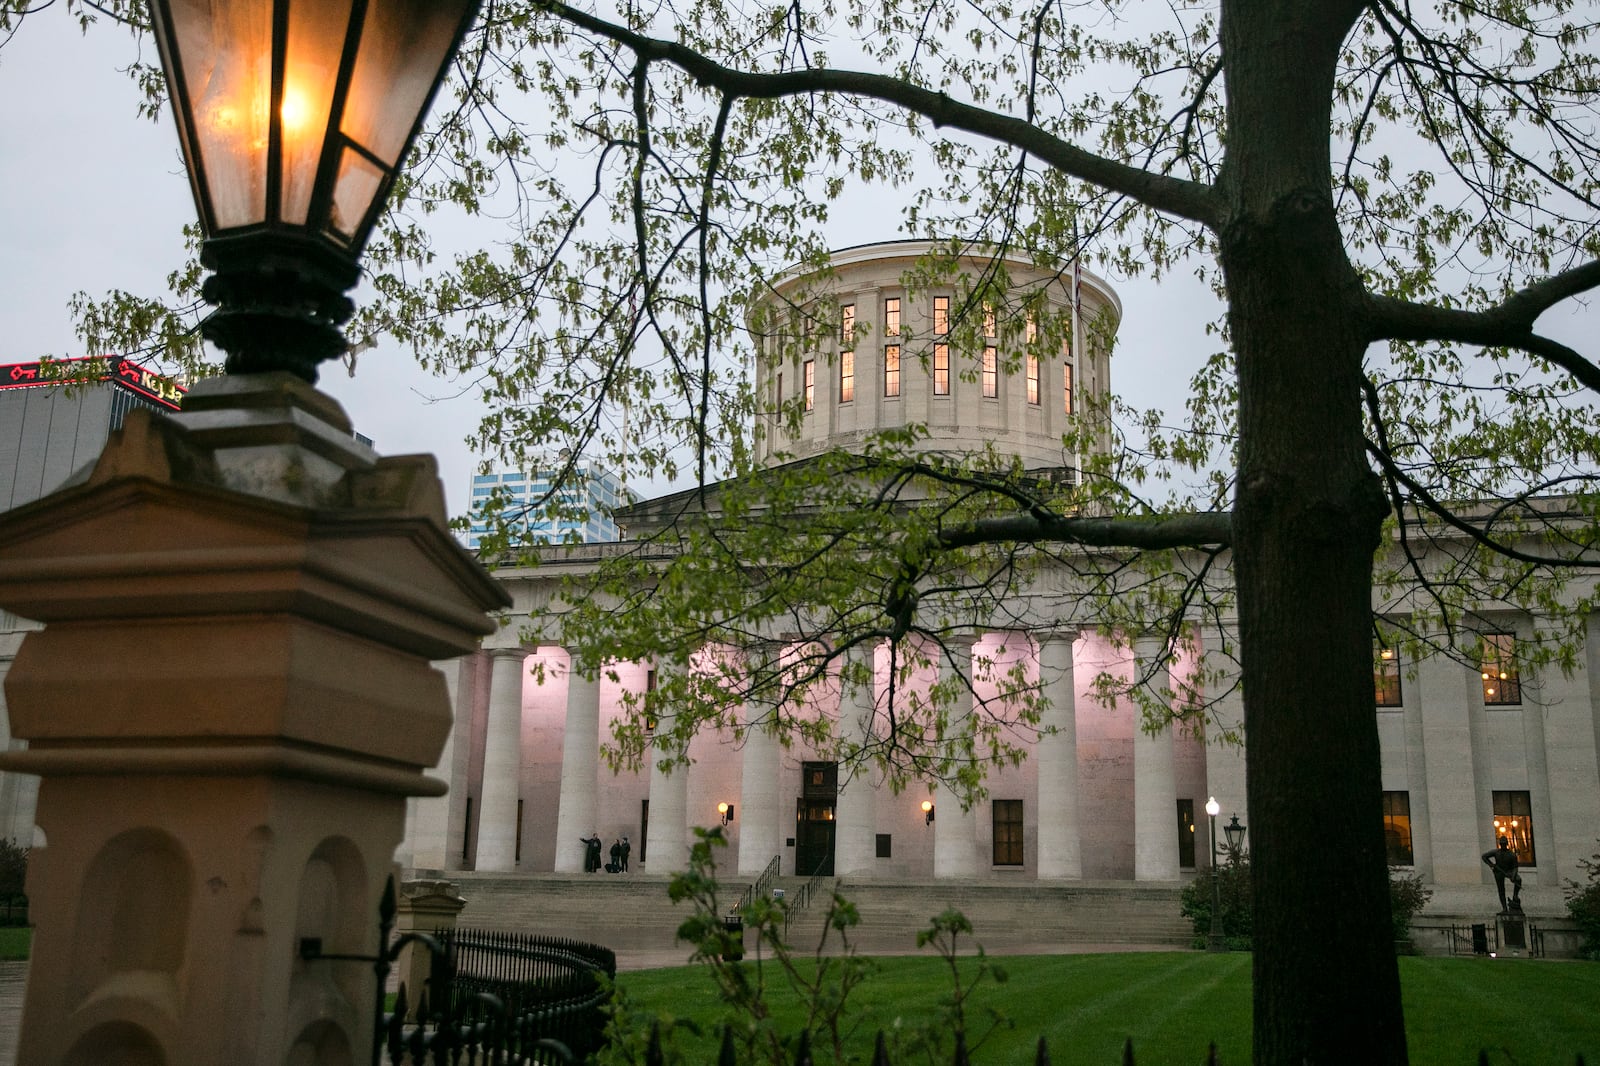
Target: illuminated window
(1032, 329)
(988, 320)
(991, 373)
(1397, 828)
(847, 376)
(1066, 387)
(1033, 380)
(941, 315)
(891, 370)
(810, 369)
(1008, 832)
(1498, 665)
(1386, 677)
(847, 326)
(941, 370)
(891, 317)
(1513, 819)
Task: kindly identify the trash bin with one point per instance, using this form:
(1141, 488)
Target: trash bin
(733, 926)
(1480, 939)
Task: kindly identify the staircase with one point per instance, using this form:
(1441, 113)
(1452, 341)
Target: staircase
(631, 914)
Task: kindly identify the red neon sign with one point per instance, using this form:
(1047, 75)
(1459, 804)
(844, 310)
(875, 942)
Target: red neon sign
(115, 369)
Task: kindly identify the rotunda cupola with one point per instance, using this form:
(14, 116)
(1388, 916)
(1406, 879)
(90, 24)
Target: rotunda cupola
(983, 351)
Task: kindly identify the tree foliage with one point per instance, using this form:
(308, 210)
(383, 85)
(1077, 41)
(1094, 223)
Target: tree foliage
(1389, 197)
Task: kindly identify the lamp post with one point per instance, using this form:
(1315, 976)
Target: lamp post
(1235, 834)
(294, 120)
(224, 776)
(1215, 942)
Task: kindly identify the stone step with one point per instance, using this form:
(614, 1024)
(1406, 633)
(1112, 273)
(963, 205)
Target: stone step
(632, 912)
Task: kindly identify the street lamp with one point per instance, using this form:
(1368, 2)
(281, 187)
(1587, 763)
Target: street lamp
(726, 811)
(1215, 941)
(294, 120)
(927, 812)
(1235, 834)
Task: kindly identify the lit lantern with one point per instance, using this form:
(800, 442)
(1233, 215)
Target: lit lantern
(295, 116)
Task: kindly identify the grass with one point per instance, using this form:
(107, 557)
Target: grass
(1173, 1005)
(14, 941)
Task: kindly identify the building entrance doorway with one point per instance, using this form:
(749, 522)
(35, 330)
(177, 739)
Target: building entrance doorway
(819, 790)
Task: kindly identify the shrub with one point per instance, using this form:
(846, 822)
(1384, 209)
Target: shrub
(1583, 904)
(1407, 897)
(1238, 909)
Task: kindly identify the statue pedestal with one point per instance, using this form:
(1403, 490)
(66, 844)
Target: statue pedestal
(1513, 934)
(229, 702)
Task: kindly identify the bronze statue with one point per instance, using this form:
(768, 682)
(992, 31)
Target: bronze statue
(1503, 861)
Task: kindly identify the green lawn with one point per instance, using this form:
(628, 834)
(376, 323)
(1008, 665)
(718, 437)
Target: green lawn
(1173, 1005)
(14, 941)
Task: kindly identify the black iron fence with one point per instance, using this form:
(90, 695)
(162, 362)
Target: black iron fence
(14, 912)
(503, 998)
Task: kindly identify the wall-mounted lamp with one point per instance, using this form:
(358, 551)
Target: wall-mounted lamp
(927, 812)
(726, 810)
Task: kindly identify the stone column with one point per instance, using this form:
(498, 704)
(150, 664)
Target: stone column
(1571, 766)
(228, 705)
(759, 836)
(855, 811)
(427, 907)
(667, 848)
(429, 827)
(955, 831)
(1155, 798)
(1059, 856)
(580, 772)
(1225, 757)
(1455, 833)
(502, 762)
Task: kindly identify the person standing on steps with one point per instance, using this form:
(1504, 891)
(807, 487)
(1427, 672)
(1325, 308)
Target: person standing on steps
(591, 852)
(626, 847)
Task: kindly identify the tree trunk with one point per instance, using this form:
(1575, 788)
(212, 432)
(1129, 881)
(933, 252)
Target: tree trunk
(1307, 518)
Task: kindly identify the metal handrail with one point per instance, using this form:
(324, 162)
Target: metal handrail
(760, 887)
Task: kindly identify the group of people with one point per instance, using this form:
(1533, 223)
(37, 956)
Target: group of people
(619, 855)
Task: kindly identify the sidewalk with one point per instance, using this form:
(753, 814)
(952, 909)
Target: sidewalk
(13, 979)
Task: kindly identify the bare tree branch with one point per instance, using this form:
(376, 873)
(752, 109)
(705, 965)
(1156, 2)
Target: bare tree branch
(1175, 196)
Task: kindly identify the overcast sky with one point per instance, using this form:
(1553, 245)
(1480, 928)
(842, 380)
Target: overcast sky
(93, 198)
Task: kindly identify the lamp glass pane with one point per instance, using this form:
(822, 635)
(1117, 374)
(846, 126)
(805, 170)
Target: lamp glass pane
(315, 42)
(225, 49)
(403, 46)
(353, 192)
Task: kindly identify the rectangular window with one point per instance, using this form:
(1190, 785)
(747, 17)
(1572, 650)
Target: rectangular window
(1501, 686)
(1007, 832)
(885, 846)
(780, 388)
(941, 315)
(847, 376)
(1386, 677)
(891, 370)
(991, 372)
(1513, 819)
(1033, 380)
(1186, 834)
(516, 851)
(988, 320)
(847, 326)
(891, 317)
(941, 370)
(1031, 331)
(1066, 387)
(1397, 828)
(810, 369)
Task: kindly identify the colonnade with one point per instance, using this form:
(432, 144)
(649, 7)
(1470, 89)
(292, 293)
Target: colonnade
(763, 824)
